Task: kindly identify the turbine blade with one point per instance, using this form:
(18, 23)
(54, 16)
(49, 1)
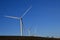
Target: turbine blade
(26, 11)
(12, 17)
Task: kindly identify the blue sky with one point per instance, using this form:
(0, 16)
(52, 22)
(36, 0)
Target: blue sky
(43, 18)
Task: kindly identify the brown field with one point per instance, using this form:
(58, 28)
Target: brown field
(26, 38)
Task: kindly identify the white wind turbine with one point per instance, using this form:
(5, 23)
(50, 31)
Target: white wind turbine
(21, 21)
(29, 31)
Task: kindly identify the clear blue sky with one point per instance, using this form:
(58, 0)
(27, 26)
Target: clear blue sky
(43, 18)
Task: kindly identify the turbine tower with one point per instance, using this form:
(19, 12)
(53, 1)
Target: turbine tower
(29, 31)
(21, 17)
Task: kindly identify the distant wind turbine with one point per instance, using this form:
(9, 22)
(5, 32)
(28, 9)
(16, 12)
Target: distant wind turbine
(29, 31)
(21, 21)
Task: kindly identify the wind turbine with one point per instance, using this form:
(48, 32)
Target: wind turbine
(20, 19)
(29, 31)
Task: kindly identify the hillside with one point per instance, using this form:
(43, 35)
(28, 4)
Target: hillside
(26, 38)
